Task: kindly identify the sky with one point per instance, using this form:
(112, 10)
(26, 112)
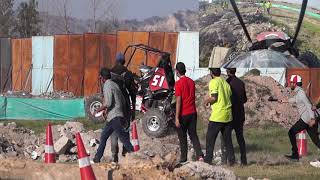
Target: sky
(125, 9)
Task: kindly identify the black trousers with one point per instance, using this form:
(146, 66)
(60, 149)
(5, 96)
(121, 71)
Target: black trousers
(188, 124)
(213, 130)
(238, 128)
(299, 126)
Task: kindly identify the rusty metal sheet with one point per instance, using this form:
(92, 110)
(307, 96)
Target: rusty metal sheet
(124, 39)
(60, 79)
(156, 40)
(16, 64)
(61, 51)
(92, 50)
(26, 60)
(140, 56)
(305, 75)
(75, 81)
(91, 75)
(60, 63)
(170, 45)
(76, 65)
(315, 86)
(108, 50)
(5, 65)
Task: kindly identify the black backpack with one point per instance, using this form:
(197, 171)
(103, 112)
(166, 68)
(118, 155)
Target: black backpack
(120, 81)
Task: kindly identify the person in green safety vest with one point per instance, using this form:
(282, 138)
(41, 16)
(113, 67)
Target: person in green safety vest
(268, 6)
(264, 6)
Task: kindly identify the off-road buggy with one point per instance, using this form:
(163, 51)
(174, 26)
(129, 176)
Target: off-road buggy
(155, 93)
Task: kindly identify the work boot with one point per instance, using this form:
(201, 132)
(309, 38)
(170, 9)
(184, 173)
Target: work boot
(244, 161)
(292, 157)
(95, 160)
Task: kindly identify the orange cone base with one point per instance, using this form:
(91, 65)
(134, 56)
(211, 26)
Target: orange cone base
(87, 173)
(50, 158)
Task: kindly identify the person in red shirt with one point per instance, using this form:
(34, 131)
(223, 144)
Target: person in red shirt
(186, 113)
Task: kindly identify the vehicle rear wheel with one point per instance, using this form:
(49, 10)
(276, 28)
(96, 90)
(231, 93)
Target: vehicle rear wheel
(92, 103)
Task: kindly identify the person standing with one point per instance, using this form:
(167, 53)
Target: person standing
(186, 114)
(114, 109)
(124, 79)
(221, 116)
(306, 120)
(268, 6)
(238, 99)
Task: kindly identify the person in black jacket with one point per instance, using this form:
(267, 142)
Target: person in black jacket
(238, 99)
(124, 78)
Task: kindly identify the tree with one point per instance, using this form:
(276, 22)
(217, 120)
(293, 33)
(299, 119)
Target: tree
(63, 10)
(28, 20)
(6, 17)
(103, 10)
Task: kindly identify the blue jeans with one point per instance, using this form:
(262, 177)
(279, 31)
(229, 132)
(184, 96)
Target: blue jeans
(115, 125)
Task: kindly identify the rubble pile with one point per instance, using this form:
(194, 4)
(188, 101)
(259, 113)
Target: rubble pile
(158, 157)
(48, 95)
(57, 95)
(222, 28)
(258, 109)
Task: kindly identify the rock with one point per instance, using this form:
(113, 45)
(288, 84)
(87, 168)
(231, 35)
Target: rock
(62, 145)
(250, 178)
(12, 154)
(1, 124)
(63, 158)
(93, 142)
(74, 127)
(12, 125)
(74, 150)
(157, 160)
(204, 170)
(170, 158)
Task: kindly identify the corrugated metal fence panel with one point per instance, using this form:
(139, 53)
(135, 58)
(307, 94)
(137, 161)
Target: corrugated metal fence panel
(188, 50)
(92, 63)
(108, 50)
(139, 56)
(124, 39)
(5, 65)
(61, 62)
(170, 45)
(26, 60)
(76, 65)
(16, 64)
(315, 86)
(156, 40)
(42, 60)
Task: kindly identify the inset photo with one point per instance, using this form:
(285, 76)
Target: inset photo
(259, 34)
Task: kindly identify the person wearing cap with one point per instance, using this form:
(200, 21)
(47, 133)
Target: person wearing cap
(221, 116)
(114, 109)
(186, 114)
(129, 90)
(238, 99)
(306, 120)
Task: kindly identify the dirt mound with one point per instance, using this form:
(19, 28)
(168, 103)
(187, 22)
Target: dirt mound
(258, 109)
(220, 27)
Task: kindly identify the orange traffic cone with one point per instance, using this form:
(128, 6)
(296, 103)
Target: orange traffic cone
(49, 156)
(84, 161)
(135, 140)
(302, 143)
